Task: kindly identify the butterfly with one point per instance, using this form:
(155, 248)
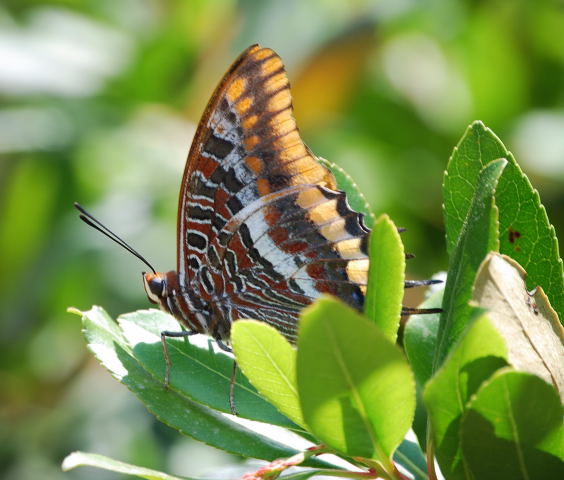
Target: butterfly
(262, 228)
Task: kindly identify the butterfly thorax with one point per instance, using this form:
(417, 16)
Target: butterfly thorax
(186, 304)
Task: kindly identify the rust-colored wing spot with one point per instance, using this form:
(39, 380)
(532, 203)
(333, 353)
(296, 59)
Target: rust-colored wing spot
(251, 142)
(249, 122)
(263, 186)
(255, 164)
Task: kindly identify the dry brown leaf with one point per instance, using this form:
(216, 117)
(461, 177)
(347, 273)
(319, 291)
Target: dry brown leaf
(527, 322)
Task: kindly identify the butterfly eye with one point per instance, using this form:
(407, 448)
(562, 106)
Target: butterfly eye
(155, 287)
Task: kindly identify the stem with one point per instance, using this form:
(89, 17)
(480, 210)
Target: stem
(342, 474)
(388, 472)
(430, 453)
(375, 468)
(275, 468)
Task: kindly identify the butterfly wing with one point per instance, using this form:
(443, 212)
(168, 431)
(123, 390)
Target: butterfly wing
(261, 226)
(246, 143)
(285, 250)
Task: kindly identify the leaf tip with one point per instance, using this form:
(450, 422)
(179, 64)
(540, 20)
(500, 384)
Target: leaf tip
(478, 125)
(71, 461)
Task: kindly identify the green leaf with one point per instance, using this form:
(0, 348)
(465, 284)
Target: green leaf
(386, 277)
(480, 352)
(513, 429)
(304, 475)
(356, 390)
(108, 344)
(420, 339)
(269, 361)
(355, 197)
(410, 456)
(525, 232)
(419, 343)
(420, 420)
(82, 459)
(477, 237)
(476, 149)
(194, 368)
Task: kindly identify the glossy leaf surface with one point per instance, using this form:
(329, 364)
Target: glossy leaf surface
(386, 277)
(479, 235)
(525, 232)
(480, 352)
(356, 389)
(269, 361)
(513, 429)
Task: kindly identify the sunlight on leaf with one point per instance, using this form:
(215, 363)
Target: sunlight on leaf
(106, 341)
(532, 332)
(356, 389)
(82, 459)
(385, 277)
(269, 361)
(525, 232)
(198, 371)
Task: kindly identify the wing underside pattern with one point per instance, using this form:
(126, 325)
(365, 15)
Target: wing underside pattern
(262, 226)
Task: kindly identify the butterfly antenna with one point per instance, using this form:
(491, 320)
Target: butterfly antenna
(91, 221)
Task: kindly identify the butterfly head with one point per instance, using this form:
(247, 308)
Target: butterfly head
(161, 288)
(156, 288)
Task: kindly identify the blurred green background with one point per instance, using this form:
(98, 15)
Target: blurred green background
(99, 100)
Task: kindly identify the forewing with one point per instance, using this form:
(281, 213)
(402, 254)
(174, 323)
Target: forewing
(246, 146)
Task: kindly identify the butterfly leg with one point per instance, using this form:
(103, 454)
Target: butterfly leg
(419, 311)
(227, 348)
(232, 389)
(164, 334)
